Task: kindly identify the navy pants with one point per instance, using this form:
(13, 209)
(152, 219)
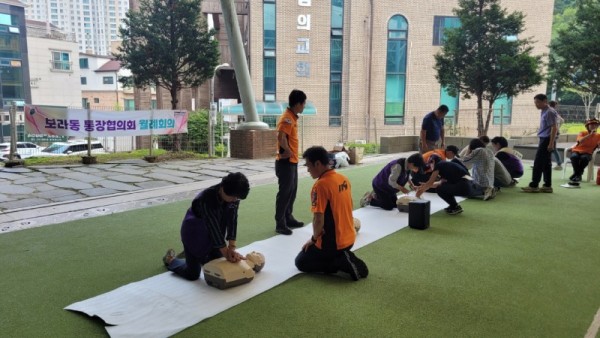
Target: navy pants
(317, 260)
(287, 177)
(542, 164)
(579, 162)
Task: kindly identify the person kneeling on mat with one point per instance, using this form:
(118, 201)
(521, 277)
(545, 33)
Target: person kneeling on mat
(392, 179)
(209, 228)
(328, 249)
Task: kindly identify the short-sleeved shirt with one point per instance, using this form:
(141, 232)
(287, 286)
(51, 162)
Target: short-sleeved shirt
(288, 123)
(429, 158)
(548, 118)
(432, 126)
(331, 195)
(588, 145)
(451, 171)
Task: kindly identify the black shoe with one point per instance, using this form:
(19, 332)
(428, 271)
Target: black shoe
(454, 211)
(283, 230)
(294, 224)
(353, 266)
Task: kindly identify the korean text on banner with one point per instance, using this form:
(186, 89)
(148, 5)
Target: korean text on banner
(74, 122)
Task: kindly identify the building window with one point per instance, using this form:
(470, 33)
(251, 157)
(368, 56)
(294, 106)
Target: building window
(83, 63)
(153, 104)
(269, 44)
(395, 79)
(83, 80)
(61, 60)
(129, 104)
(96, 100)
(84, 102)
(336, 62)
(451, 102)
(108, 80)
(502, 110)
(440, 24)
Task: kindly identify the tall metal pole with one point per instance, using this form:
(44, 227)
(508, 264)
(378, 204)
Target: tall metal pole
(212, 112)
(13, 130)
(240, 64)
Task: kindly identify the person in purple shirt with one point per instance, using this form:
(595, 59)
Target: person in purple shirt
(542, 164)
(432, 130)
(391, 179)
(209, 227)
(510, 158)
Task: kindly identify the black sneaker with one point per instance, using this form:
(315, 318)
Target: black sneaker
(294, 224)
(455, 211)
(283, 230)
(353, 266)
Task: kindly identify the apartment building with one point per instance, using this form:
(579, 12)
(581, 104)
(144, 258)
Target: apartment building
(53, 66)
(94, 24)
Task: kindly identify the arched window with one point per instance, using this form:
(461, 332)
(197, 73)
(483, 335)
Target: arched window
(395, 76)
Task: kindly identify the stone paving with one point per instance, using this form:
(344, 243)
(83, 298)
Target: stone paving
(42, 195)
(31, 186)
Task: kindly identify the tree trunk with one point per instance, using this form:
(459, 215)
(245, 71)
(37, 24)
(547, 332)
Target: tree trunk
(176, 138)
(480, 130)
(489, 117)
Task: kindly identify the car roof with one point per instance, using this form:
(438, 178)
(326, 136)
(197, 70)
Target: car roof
(8, 143)
(71, 142)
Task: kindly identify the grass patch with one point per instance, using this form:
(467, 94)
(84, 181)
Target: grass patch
(572, 128)
(521, 265)
(161, 154)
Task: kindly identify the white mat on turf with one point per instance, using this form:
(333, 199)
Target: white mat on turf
(165, 304)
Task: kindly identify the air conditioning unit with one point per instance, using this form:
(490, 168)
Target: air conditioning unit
(360, 141)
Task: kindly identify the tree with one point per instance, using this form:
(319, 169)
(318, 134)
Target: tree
(575, 53)
(484, 58)
(167, 43)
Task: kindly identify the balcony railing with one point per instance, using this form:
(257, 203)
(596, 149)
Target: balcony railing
(64, 66)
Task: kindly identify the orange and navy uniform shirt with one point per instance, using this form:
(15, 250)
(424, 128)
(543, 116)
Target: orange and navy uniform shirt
(429, 164)
(288, 123)
(331, 195)
(588, 145)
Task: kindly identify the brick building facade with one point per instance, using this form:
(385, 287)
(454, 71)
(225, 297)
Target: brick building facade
(302, 53)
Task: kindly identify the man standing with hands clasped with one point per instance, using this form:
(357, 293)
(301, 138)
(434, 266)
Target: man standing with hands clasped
(328, 249)
(432, 130)
(542, 164)
(286, 164)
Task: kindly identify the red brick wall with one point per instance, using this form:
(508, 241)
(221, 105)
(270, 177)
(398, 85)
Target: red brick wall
(251, 144)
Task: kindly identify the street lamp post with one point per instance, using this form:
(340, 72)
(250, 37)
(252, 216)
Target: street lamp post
(212, 113)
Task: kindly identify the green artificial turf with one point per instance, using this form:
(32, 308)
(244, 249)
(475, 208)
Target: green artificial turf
(521, 265)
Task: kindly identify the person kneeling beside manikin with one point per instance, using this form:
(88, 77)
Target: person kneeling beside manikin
(328, 249)
(209, 228)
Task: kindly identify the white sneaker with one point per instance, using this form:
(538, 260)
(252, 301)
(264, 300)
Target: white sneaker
(558, 167)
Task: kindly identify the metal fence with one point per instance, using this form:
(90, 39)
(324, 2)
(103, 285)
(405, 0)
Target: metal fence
(329, 131)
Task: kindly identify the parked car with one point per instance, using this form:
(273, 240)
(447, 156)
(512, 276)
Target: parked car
(24, 150)
(74, 147)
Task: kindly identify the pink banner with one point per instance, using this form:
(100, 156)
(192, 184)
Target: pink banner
(62, 121)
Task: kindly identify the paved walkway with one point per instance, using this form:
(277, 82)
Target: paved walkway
(42, 195)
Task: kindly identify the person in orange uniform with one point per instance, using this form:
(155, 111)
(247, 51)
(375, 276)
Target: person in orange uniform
(581, 153)
(328, 249)
(286, 164)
